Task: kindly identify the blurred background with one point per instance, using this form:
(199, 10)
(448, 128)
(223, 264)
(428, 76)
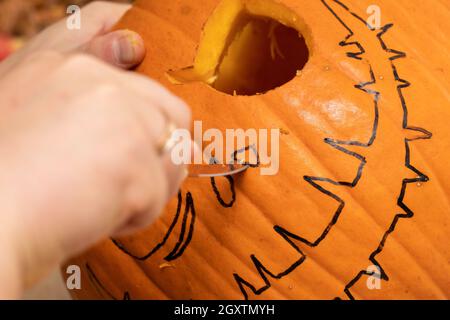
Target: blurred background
(21, 19)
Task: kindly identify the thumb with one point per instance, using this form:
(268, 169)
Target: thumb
(123, 48)
(96, 17)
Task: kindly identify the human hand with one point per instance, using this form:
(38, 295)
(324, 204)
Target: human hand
(79, 141)
(121, 48)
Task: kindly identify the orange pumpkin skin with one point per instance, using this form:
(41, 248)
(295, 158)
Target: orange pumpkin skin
(336, 208)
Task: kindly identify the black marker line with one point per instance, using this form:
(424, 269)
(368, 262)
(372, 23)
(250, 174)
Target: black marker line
(264, 272)
(182, 243)
(336, 144)
(100, 287)
(159, 245)
(425, 135)
(219, 196)
(230, 179)
(313, 181)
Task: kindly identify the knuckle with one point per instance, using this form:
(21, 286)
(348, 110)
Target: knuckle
(81, 61)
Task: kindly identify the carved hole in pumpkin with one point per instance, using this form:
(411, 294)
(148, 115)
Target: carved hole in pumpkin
(262, 55)
(249, 48)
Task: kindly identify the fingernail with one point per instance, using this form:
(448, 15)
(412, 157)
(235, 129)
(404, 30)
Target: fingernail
(125, 49)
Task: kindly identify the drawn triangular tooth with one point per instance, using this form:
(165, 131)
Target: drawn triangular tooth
(383, 275)
(354, 149)
(302, 244)
(363, 276)
(343, 297)
(366, 85)
(359, 49)
(407, 173)
(349, 294)
(329, 186)
(384, 29)
(396, 54)
(406, 212)
(370, 88)
(417, 133)
(250, 290)
(393, 53)
(247, 289)
(413, 175)
(349, 40)
(404, 82)
(355, 55)
(289, 238)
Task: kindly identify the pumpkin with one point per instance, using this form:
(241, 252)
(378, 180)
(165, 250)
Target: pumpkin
(360, 206)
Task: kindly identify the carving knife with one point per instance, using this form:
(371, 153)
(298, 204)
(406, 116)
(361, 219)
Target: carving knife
(215, 170)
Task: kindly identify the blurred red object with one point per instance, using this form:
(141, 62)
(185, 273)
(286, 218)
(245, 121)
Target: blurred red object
(8, 45)
(5, 46)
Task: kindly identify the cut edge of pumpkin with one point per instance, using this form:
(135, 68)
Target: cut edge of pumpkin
(217, 31)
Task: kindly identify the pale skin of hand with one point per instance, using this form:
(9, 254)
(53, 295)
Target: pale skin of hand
(78, 145)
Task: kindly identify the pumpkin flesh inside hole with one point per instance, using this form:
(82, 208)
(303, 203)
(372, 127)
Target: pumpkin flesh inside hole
(263, 55)
(245, 53)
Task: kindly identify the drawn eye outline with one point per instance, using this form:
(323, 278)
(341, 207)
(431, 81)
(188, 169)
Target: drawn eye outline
(189, 215)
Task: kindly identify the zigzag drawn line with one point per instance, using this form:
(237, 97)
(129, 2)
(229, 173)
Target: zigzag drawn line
(421, 177)
(314, 181)
(263, 271)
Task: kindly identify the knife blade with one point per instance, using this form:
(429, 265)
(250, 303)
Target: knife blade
(215, 170)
